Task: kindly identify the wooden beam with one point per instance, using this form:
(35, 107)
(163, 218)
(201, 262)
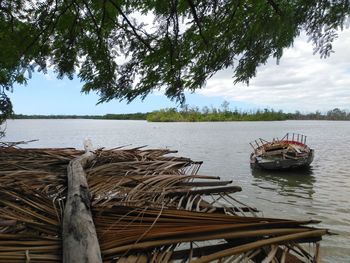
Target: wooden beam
(80, 243)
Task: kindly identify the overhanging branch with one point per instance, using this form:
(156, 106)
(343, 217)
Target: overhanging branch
(195, 18)
(131, 25)
(275, 7)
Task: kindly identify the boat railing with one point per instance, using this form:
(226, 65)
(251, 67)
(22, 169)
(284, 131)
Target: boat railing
(295, 138)
(258, 143)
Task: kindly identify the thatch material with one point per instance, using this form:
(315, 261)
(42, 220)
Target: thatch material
(145, 209)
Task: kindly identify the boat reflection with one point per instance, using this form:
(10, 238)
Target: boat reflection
(298, 183)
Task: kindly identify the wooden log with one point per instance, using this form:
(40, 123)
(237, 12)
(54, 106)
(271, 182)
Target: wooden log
(80, 243)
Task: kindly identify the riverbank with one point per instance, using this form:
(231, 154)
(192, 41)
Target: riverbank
(194, 114)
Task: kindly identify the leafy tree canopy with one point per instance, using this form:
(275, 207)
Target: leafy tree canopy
(123, 49)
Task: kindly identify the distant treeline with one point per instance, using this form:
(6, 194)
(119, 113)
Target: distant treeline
(194, 114)
(128, 116)
(335, 115)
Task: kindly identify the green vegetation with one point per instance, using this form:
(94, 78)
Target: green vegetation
(112, 48)
(193, 114)
(332, 115)
(127, 116)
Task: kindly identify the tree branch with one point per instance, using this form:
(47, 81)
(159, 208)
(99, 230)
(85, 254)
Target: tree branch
(52, 22)
(103, 15)
(195, 18)
(98, 29)
(275, 7)
(131, 25)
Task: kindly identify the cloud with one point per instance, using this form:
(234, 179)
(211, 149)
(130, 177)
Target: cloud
(301, 81)
(49, 76)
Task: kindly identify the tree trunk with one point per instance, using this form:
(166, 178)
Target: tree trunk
(80, 243)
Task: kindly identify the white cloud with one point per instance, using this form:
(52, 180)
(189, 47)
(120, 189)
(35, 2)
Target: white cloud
(302, 81)
(49, 75)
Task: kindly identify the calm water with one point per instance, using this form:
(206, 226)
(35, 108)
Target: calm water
(321, 193)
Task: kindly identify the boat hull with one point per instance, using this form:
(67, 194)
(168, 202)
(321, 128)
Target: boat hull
(281, 164)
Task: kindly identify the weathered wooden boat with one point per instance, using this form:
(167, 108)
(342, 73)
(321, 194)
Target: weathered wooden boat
(290, 152)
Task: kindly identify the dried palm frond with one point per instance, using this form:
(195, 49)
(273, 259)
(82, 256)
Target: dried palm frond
(127, 230)
(151, 230)
(147, 207)
(34, 235)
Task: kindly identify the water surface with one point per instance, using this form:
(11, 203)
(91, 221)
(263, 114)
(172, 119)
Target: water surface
(320, 193)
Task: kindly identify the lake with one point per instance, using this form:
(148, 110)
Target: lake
(322, 193)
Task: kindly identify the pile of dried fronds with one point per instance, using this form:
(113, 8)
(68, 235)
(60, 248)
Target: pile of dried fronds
(147, 207)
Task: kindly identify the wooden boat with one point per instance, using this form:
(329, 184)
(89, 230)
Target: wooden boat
(280, 154)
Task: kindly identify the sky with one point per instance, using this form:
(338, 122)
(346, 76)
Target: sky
(301, 81)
